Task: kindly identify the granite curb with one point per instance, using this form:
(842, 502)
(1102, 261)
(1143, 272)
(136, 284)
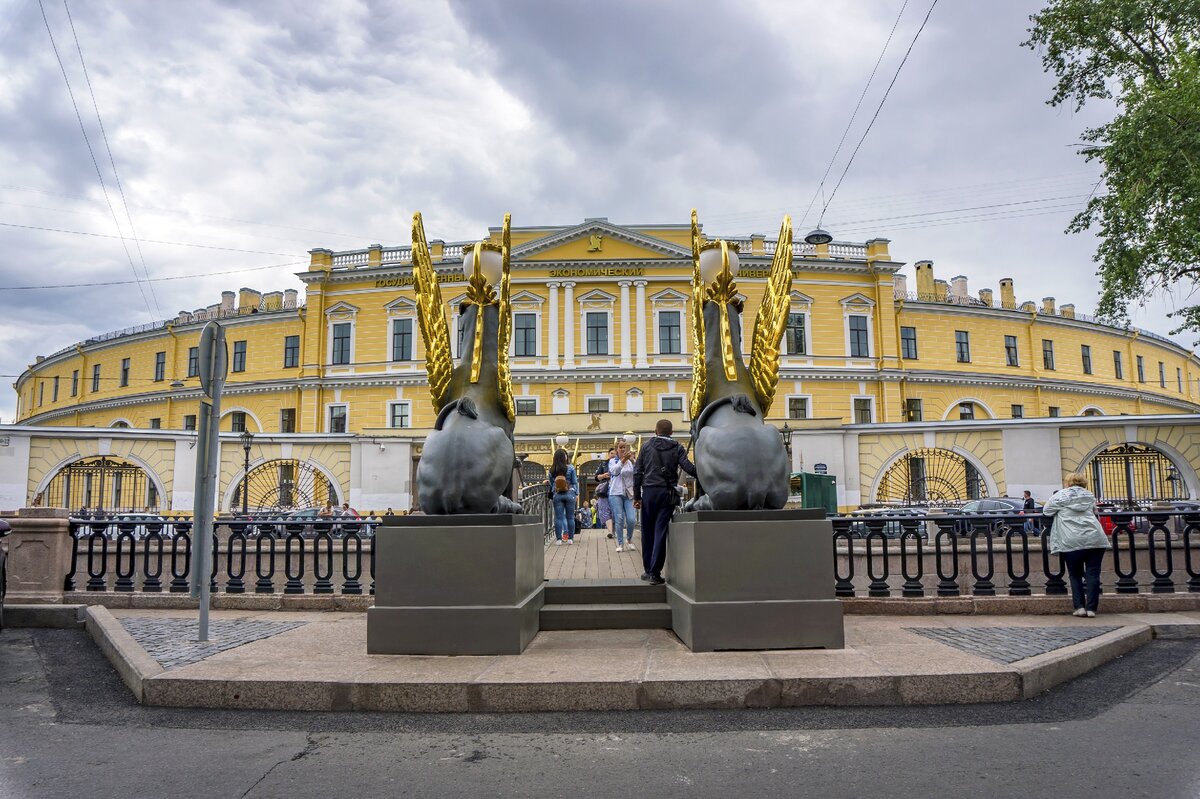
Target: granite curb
(132, 662)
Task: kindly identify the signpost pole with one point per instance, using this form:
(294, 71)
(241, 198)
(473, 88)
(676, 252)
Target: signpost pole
(213, 361)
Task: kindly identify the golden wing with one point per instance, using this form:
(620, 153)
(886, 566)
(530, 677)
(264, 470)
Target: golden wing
(699, 369)
(431, 316)
(503, 374)
(771, 321)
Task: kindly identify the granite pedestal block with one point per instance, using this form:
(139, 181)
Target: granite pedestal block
(753, 580)
(456, 585)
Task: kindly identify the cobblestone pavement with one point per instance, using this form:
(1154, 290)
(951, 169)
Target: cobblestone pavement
(1010, 644)
(172, 642)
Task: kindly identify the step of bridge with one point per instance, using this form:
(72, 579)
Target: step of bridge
(602, 592)
(605, 605)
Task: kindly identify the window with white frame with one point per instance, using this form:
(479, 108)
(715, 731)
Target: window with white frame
(860, 346)
(340, 317)
(598, 404)
(402, 339)
(526, 406)
(670, 333)
(525, 335)
(797, 407)
(864, 410)
(341, 343)
(670, 403)
(794, 336)
(338, 415)
(596, 323)
(237, 422)
(857, 312)
(399, 414)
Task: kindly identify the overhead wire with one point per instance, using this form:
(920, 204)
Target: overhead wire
(148, 241)
(87, 140)
(112, 161)
(156, 279)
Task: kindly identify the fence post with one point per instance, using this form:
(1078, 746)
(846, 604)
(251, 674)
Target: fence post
(40, 549)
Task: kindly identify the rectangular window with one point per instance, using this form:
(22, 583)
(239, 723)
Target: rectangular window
(193, 361)
(908, 343)
(669, 339)
(1118, 370)
(859, 343)
(160, 367)
(402, 339)
(1010, 351)
(796, 343)
(669, 404)
(597, 333)
(291, 352)
(1162, 375)
(1018, 412)
(797, 407)
(237, 421)
(125, 371)
(41, 392)
(966, 410)
(913, 412)
(525, 335)
(75, 383)
(95, 378)
(1086, 355)
(54, 393)
(156, 423)
(239, 356)
(399, 415)
(1054, 410)
(1141, 369)
(337, 418)
(862, 410)
(287, 420)
(341, 343)
(526, 407)
(1047, 354)
(962, 346)
(1179, 379)
(189, 422)
(597, 404)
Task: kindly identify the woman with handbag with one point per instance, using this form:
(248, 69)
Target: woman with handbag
(620, 496)
(564, 489)
(1077, 537)
(603, 512)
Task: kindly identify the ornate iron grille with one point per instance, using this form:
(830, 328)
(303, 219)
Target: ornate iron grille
(285, 485)
(107, 484)
(1134, 474)
(532, 472)
(930, 476)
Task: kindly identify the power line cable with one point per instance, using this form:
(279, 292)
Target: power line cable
(156, 279)
(854, 113)
(92, 153)
(148, 241)
(112, 161)
(882, 100)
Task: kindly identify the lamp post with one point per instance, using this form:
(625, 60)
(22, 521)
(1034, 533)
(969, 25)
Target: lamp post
(247, 441)
(786, 435)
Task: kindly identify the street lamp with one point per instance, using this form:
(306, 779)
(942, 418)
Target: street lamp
(786, 435)
(247, 441)
(818, 236)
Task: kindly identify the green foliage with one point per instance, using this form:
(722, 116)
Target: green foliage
(1145, 56)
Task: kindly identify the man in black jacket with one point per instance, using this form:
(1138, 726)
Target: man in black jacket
(654, 477)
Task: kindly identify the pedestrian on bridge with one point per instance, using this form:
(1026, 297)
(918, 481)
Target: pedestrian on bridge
(1076, 536)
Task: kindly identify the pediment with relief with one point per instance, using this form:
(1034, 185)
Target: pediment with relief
(598, 240)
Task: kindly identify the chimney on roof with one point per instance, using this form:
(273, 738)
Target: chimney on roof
(941, 290)
(986, 297)
(289, 298)
(1029, 306)
(925, 283)
(900, 286)
(1008, 295)
(272, 301)
(1067, 310)
(248, 301)
(958, 287)
(1048, 306)
(227, 299)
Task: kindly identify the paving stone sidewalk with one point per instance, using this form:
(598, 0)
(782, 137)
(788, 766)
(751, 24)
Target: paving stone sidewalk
(172, 642)
(1010, 644)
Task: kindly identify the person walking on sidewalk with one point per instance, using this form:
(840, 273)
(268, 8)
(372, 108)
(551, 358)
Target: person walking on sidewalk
(603, 510)
(1076, 535)
(564, 488)
(620, 495)
(655, 474)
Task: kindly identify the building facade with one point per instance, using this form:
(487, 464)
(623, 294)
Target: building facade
(601, 345)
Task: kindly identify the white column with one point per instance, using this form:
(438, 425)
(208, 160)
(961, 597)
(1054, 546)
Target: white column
(640, 285)
(552, 353)
(569, 312)
(626, 345)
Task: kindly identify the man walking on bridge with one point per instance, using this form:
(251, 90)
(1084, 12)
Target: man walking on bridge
(654, 477)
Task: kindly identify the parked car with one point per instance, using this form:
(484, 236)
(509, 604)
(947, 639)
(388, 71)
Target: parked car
(994, 506)
(139, 524)
(893, 527)
(5, 529)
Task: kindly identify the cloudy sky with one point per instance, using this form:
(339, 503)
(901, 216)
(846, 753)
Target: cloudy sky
(246, 133)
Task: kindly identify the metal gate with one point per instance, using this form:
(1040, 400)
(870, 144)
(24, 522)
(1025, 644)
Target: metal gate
(930, 477)
(1134, 474)
(105, 483)
(285, 485)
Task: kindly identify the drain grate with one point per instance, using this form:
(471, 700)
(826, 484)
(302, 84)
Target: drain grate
(1010, 644)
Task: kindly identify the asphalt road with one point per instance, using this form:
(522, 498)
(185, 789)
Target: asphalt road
(68, 728)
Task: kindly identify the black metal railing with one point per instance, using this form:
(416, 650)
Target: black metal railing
(535, 501)
(989, 554)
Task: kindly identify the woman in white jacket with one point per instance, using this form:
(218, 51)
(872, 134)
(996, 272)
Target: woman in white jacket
(1076, 535)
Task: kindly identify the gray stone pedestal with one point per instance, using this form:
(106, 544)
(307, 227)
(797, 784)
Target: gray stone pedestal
(456, 585)
(753, 580)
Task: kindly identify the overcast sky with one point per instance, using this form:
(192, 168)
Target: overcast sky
(270, 128)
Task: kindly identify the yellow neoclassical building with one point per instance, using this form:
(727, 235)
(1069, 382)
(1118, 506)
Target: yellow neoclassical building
(601, 327)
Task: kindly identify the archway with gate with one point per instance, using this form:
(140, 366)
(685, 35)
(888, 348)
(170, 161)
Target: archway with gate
(283, 484)
(930, 476)
(105, 483)
(1135, 474)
